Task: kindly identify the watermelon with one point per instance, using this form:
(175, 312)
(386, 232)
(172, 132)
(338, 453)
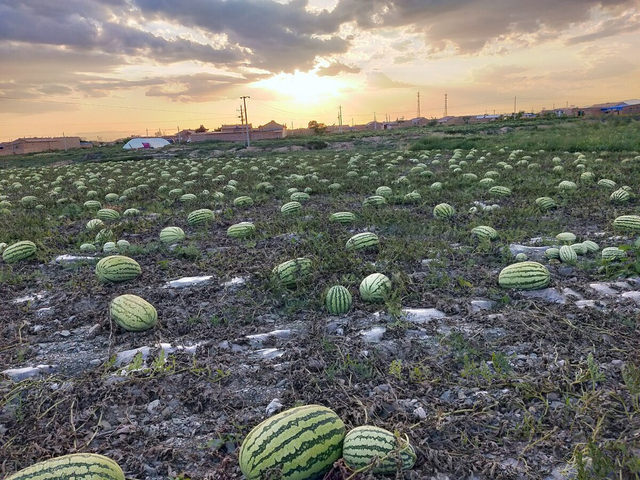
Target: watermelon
(88, 248)
(375, 288)
(92, 205)
(384, 191)
(566, 237)
(364, 444)
(630, 223)
(606, 183)
(374, 201)
(299, 197)
(171, 235)
(78, 466)
(108, 214)
(612, 253)
(500, 191)
(552, 253)
(132, 313)
(131, 212)
(443, 210)
(591, 246)
(620, 196)
(19, 251)
(362, 241)
(300, 443)
(95, 224)
(291, 208)
(484, 232)
(579, 248)
(568, 255)
(342, 217)
(546, 203)
(241, 230)
(524, 276)
(200, 217)
(338, 300)
(117, 268)
(243, 201)
(293, 271)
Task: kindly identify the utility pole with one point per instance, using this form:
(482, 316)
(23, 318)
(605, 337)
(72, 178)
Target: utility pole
(241, 117)
(244, 99)
(445, 105)
(514, 107)
(340, 117)
(178, 127)
(418, 104)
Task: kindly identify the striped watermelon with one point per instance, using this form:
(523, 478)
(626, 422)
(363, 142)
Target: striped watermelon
(78, 466)
(364, 444)
(591, 246)
(111, 197)
(29, 201)
(612, 253)
(375, 288)
(19, 251)
(484, 232)
(108, 214)
(300, 443)
(552, 253)
(105, 235)
(412, 197)
(117, 268)
(606, 183)
(132, 313)
(131, 212)
(243, 201)
(342, 217)
(521, 257)
(293, 271)
(524, 276)
(567, 186)
(374, 201)
(568, 255)
(546, 203)
(94, 224)
(566, 237)
(200, 217)
(299, 197)
(362, 241)
(443, 210)
(88, 247)
(109, 247)
(291, 208)
(500, 191)
(92, 205)
(241, 230)
(629, 223)
(338, 300)
(187, 198)
(384, 191)
(436, 186)
(171, 235)
(579, 248)
(620, 196)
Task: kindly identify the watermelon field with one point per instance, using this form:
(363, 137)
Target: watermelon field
(469, 295)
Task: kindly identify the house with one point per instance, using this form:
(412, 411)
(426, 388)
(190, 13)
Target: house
(23, 146)
(419, 121)
(272, 126)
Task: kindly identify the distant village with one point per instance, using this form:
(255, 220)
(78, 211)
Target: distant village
(274, 130)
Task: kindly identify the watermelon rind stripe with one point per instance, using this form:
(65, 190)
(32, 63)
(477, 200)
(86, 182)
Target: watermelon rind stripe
(77, 466)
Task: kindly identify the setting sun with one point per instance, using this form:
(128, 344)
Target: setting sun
(304, 88)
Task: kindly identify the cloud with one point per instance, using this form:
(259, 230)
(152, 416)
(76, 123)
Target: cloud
(627, 23)
(202, 87)
(470, 25)
(379, 81)
(337, 68)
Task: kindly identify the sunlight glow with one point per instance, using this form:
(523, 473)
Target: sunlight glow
(305, 88)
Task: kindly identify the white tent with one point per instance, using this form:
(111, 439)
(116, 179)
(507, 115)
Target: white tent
(146, 143)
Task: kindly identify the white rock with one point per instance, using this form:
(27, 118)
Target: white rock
(373, 335)
(188, 281)
(602, 288)
(19, 374)
(69, 259)
(635, 296)
(422, 315)
(550, 295)
(274, 407)
(269, 353)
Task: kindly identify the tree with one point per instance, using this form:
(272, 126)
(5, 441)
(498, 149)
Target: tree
(318, 128)
(201, 129)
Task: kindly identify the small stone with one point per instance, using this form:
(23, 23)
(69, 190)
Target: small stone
(373, 335)
(65, 333)
(550, 295)
(422, 315)
(420, 413)
(602, 288)
(274, 407)
(153, 405)
(478, 305)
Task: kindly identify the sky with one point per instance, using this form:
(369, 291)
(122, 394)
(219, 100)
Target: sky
(106, 69)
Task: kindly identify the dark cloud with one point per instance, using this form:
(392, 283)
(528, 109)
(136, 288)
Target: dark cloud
(379, 81)
(337, 68)
(470, 25)
(201, 87)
